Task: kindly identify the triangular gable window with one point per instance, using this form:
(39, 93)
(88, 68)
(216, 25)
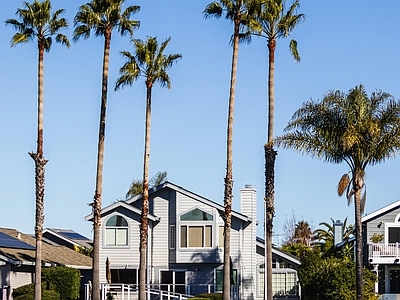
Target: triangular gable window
(196, 215)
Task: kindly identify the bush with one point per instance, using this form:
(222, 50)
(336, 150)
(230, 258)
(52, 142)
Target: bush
(27, 292)
(66, 281)
(332, 278)
(211, 296)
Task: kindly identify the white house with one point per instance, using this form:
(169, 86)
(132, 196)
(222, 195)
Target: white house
(185, 245)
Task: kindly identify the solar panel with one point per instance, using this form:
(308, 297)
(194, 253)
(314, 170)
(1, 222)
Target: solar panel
(73, 235)
(7, 241)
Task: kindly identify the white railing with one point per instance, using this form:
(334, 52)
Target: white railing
(383, 250)
(161, 291)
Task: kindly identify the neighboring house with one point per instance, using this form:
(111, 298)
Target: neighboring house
(17, 260)
(185, 245)
(66, 237)
(383, 257)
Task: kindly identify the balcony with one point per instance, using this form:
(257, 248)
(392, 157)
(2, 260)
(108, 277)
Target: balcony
(384, 253)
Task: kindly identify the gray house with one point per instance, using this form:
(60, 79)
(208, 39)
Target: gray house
(185, 245)
(381, 242)
(17, 260)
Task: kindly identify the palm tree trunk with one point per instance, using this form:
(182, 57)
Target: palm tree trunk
(145, 199)
(96, 205)
(229, 169)
(270, 156)
(358, 184)
(40, 162)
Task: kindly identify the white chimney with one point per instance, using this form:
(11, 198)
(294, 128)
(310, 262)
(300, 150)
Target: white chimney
(337, 232)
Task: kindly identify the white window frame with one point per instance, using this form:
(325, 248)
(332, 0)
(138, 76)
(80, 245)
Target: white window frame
(388, 225)
(116, 229)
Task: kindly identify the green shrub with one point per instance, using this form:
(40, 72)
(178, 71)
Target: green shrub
(211, 296)
(332, 279)
(27, 292)
(66, 281)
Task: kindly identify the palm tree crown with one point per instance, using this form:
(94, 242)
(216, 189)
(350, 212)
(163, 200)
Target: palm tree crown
(351, 128)
(103, 17)
(148, 61)
(38, 21)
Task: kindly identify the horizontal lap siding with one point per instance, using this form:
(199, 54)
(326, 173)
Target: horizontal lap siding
(120, 256)
(160, 234)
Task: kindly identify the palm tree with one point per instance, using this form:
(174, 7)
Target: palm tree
(102, 16)
(351, 128)
(136, 187)
(303, 233)
(238, 12)
(273, 22)
(150, 62)
(38, 20)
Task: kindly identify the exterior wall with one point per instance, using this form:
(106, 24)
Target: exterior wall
(5, 274)
(248, 199)
(120, 256)
(372, 226)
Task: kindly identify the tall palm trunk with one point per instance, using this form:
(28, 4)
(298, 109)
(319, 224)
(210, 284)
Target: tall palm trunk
(145, 199)
(40, 162)
(229, 163)
(358, 184)
(270, 156)
(96, 205)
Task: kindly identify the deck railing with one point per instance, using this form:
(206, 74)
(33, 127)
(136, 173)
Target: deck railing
(155, 291)
(381, 250)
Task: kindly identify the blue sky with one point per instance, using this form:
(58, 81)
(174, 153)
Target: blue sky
(341, 43)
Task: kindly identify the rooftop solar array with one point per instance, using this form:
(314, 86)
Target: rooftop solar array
(7, 241)
(73, 235)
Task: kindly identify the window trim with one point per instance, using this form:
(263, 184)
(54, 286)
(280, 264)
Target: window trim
(126, 228)
(186, 241)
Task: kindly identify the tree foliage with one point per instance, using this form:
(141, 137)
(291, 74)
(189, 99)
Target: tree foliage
(332, 279)
(64, 280)
(136, 187)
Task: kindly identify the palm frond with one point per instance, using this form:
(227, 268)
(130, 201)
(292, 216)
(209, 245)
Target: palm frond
(343, 184)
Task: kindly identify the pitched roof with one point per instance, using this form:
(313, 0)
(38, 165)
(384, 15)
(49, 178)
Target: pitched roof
(190, 194)
(68, 236)
(381, 211)
(294, 259)
(125, 205)
(51, 255)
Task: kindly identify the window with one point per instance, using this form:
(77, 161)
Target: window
(196, 229)
(283, 284)
(124, 276)
(219, 279)
(172, 236)
(196, 236)
(196, 215)
(394, 234)
(116, 231)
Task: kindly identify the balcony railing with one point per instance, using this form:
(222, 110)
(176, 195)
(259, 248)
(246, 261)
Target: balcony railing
(384, 253)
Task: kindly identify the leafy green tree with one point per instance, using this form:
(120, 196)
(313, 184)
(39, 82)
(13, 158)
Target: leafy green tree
(273, 22)
(102, 16)
(136, 187)
(64, 280)
(351, 128)
(37, 20)
(326, 237)
(238, 12)
(332, 279)
(149, 61)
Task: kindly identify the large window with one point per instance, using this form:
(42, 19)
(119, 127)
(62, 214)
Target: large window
(196, 236)
(116, 231)
(196, 229)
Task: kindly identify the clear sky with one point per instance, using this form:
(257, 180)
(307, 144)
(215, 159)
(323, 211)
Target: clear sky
(342, 44)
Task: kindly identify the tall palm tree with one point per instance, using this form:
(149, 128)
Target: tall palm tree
(102, 16)
(351, 128)
(238, 12)
(273, 22)
(38, 21)
(150, 62)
